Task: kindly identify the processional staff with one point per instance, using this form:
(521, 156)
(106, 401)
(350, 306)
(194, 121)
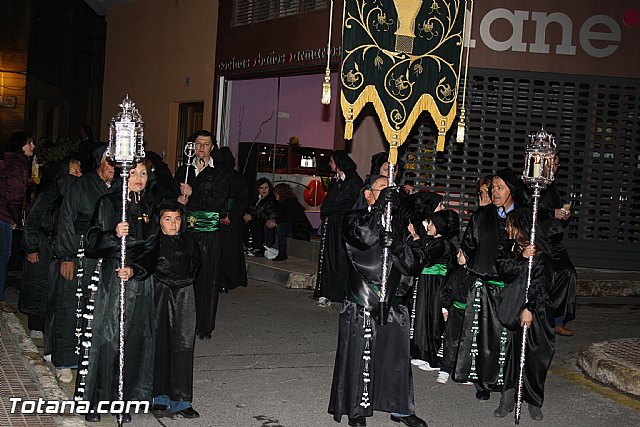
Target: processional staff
(539, 171)
(126, 148)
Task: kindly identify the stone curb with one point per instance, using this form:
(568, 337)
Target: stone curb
(608, 288)
(607, 369)
(44, 375)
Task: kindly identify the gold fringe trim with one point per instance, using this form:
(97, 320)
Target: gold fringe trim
(396, 137)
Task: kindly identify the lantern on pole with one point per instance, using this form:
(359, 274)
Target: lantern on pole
(539, 171)
(126, 148)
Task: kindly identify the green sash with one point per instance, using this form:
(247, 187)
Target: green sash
(199, 221)
(460, 305)
(435, 270)
(496, 283)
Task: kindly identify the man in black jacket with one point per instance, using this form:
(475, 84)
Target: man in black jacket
(205, 196)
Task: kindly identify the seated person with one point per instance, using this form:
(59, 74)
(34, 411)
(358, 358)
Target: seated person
(290, 220)
(259, 211)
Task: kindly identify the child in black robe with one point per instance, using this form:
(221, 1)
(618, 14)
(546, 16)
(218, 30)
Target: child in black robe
(175, 321)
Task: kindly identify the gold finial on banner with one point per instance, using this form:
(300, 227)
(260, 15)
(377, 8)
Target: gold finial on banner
(393, 149)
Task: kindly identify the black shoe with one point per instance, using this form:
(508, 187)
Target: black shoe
(92, 417)
(224, 291)
(410, 420)
(358, 422)
(507, 403)
(483, 394)
(189, 413)
(535, 412)
(126, 418)
(157, 407)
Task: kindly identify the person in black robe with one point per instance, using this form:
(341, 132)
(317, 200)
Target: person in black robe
(205, 197)
(536, 311)
(104, 242)
(75, 215)
(234, 269)
(259, 211)
(380, 167)
(482, 344)
(555, 217)
(343, 191)
(36, 243)
(290, 220)
(454, 303)
(372, 369)
(175, 320)
(413, 210)
(429, 322)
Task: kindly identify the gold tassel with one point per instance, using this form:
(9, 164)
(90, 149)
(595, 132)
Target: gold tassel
(326, 89)
(461, 126)
(326, 86)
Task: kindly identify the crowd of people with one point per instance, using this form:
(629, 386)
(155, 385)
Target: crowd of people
(454, 305)
(444, 302)
(175, 231)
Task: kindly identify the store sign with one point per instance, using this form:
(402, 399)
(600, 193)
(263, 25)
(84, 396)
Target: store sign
(572, 36)
(272, 59)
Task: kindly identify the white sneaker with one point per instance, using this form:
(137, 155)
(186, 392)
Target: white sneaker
(47, 357)
(427, 367)
(324, 302)
(417, 362)
(36, 334)
(64, 375)
(443, 377)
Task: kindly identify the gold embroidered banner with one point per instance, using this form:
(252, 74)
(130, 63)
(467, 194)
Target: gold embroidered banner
(404, 57)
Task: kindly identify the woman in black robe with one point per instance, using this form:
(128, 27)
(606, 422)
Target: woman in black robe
(103, 241)
(332, 264)
(234, 269)
(536, 312)
(175, 320)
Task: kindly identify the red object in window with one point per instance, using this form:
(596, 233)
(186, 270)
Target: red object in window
(314, 193)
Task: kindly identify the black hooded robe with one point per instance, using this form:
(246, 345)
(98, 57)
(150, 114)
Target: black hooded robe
(175, 316)
(429, 322)
(210, 189)
(102, 242)
(389, 368)
(483, 236)
(333, 263)
(234, 269)
(76, 212)
(563, 290)
(540, 336)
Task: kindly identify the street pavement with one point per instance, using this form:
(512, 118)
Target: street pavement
(270, 363)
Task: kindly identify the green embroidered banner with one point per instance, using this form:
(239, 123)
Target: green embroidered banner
(404, 57)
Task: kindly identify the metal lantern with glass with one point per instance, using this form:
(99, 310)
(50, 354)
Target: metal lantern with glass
(539, 171)
(126, 148)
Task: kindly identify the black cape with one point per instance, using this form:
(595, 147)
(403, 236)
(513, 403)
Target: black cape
(333, 264)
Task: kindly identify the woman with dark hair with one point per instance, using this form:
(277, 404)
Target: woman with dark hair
(343, 191)
(290, 219)
(103, 241)
(516, 307)
(483, 192)
(15, 170)
(261, 209)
